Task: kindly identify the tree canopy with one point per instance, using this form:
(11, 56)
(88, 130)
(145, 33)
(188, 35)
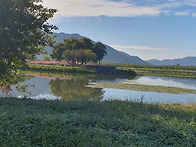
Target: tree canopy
(82, 50)
(100, 50)
(24, 32)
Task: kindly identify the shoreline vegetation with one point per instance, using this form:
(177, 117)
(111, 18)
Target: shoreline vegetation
(92, 69)
(30, 122)
(140, 87)
(167, 71)
(122, 70)
(117, 69)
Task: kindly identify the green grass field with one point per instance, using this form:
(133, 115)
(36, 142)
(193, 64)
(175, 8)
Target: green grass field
(168, 71)
(25, 122)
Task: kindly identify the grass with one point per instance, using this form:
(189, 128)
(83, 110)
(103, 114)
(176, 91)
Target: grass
(140, 87)
(169, 71)
(178, 73)
(59, 68)
(26, 122)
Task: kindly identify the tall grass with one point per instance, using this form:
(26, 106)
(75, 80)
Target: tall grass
(25, 122)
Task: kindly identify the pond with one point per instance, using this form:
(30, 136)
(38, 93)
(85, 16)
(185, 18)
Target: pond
(73, 87)
(163, 81)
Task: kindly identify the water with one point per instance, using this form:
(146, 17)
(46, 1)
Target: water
(163, 81)
(73, 87)
(149, 97)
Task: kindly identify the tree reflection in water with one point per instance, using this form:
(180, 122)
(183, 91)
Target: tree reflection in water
(75, 89)
(6, 84)
(5, 89)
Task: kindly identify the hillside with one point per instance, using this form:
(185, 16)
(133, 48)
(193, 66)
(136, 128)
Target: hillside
(187, 61)
(113, 55)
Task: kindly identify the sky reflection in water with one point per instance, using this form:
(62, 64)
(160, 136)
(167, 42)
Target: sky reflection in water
(74, 88)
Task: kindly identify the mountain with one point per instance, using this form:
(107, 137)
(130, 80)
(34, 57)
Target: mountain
(187, 61)
(113, 56)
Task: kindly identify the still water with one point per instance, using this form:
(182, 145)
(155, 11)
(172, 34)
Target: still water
(73, 87)
(163, 81)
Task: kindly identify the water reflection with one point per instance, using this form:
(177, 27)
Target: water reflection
(148, 97)
(164, 81)
(5, 89)
(74, 89)
(6, 85)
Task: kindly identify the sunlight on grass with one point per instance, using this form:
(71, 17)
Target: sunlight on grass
(91, 123)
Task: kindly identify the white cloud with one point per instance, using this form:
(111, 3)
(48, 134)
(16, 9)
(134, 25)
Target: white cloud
(189, 2)
(149, 52)
(82, 8)
(122, 48)
(182, 13)
(194, 14)
(123, 8)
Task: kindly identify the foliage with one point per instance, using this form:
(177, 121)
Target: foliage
(57, 68)
(80, 56)
(92, 123)
(47, 58)
(23, 34)
(82, 50)
(100, 50)
(84, 56)
(70, 44)
(69, 55)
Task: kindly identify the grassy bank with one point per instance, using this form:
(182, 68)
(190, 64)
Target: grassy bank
(87, 123)
(122, 69)
(169, 71)
(59, 68)
(166, 72)
(140, 87)
(93, 69)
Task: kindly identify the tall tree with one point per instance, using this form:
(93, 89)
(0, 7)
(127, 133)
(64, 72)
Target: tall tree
(84, 56)
(24, 32)
(63, 49)
(70, 44)
(100, 50)
(69, 55)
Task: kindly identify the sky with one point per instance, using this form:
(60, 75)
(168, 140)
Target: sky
(149, 29)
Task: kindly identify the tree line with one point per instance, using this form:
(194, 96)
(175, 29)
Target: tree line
(79, 51)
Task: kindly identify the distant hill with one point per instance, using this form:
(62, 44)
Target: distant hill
(187, 61)
(113, 56)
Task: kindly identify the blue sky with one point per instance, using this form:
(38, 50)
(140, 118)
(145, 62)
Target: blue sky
(161, 29)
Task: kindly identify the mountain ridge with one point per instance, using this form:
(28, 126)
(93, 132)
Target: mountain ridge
(186, 61)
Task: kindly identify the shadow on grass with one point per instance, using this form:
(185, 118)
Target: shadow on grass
(93, 123)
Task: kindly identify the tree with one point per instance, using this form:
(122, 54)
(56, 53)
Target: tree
(100, 50)
(70, 44)
(79, 56)
(69, 55)
(95, 51)
(84, 56)
(47, 58)
(24, 32)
